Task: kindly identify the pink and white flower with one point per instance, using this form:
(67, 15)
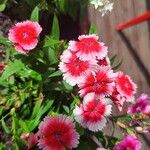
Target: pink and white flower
(57, 133)
(101, 82)
(74, 69)
(24, 35)
(88, 47)
(93, 112)
(125, 86)
(142, 105)
(128, 143)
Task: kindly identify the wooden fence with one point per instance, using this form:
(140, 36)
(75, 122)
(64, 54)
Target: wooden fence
(138, 36)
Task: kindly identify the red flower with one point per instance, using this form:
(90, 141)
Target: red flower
(91, 114)
(118, 99)
(104, 62)
(32, 140)
(24, 35)
(88, 47)
(57, 133)
(101, 82)
(73, 68)
(2, 67)
(125, 86)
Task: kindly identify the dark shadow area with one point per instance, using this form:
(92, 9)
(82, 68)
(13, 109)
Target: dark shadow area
(146, 139)
(136, 57)
(148, 8)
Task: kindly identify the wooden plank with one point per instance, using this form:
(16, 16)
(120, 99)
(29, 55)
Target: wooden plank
(138, 35)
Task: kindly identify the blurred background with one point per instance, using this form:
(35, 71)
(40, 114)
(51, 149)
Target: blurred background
(138, 36)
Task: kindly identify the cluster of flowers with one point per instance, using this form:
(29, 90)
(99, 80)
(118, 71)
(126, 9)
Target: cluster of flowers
(103, 6)
(85, 63)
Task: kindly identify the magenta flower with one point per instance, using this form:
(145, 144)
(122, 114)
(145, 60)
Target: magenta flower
(57, 133)
(142, 105)
(24, 35)
(128, 143)
(92, 113)
(88, 47)
(74, 69)
(101, 82)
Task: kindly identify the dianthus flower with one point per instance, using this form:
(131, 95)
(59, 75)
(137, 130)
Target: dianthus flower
(74, 69)
(24, 35)
(125, 86)
(142, 105)
(93, 112)
(88, 47)
(101, 82)
(128, 143)
(57, 133)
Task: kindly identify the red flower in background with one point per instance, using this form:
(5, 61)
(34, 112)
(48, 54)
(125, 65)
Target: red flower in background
(118, 99)
(73, 68)
(125, 86)
(100, 82)
(88, 47)
(103, 62)
(2, 67)
(91, 114)
(24, 35)
(57, 133)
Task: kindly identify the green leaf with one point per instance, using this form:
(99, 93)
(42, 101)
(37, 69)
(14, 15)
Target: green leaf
(92, 30)
(2, 7)
(112, 59)
(5, 41)
(35, 14)
(118, 65)
(55, 74)
(12, 68)
(55, 28)
(36, 108)
(3, 2)
(66, 109)
(50, 41)
(51, 55)
(24, 126)
(6, 129)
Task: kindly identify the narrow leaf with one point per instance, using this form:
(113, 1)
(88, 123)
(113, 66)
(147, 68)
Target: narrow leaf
(35, 14)
(14, 67)
(55, 28)
(6, 129)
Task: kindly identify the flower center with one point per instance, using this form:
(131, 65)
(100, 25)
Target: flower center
(57, 135)
(25, 34)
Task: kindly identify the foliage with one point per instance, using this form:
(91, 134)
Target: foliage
(32, 87)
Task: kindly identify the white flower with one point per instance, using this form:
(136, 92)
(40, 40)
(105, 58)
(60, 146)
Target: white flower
(96, 3)
(102, 6)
